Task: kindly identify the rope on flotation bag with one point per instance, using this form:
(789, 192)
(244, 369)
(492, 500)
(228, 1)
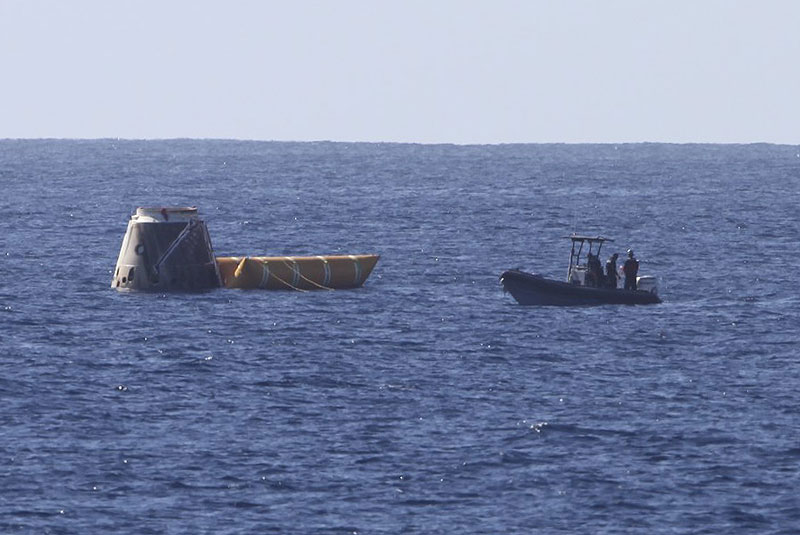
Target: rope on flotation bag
(296, 271)
(297, 275)
(266, 274)
(287, 283)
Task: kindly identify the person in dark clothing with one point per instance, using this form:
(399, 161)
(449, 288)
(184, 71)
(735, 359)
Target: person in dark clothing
(595, 271)
(611, 271)
(590, 279)
(630, 268)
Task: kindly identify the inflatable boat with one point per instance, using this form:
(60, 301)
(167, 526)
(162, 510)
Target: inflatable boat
(581, 287)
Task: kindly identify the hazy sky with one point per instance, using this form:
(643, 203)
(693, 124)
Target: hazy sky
(425, 71)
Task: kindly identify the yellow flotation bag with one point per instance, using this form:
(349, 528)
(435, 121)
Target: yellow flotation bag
(295, 272)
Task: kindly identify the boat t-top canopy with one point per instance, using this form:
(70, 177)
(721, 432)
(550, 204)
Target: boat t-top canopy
(590, 239)
(575, 256)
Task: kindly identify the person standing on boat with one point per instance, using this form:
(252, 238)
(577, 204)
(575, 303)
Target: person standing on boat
(630, 268)
(611, 271)
(595, 271)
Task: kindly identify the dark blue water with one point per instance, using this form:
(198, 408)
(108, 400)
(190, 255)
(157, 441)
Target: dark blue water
(427, 401)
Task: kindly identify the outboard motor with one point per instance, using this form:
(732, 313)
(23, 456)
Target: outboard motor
(166, 249)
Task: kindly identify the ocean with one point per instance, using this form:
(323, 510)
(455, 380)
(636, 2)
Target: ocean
(427, 401)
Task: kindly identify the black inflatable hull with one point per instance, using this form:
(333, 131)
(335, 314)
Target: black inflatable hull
(530, 289)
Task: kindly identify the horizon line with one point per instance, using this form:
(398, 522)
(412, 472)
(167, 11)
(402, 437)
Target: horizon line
(432, 143)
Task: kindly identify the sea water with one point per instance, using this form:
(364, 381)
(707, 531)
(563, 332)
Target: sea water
(427, 401)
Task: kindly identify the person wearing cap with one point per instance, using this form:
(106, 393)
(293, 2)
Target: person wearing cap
(611, 271)
(630, 268)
